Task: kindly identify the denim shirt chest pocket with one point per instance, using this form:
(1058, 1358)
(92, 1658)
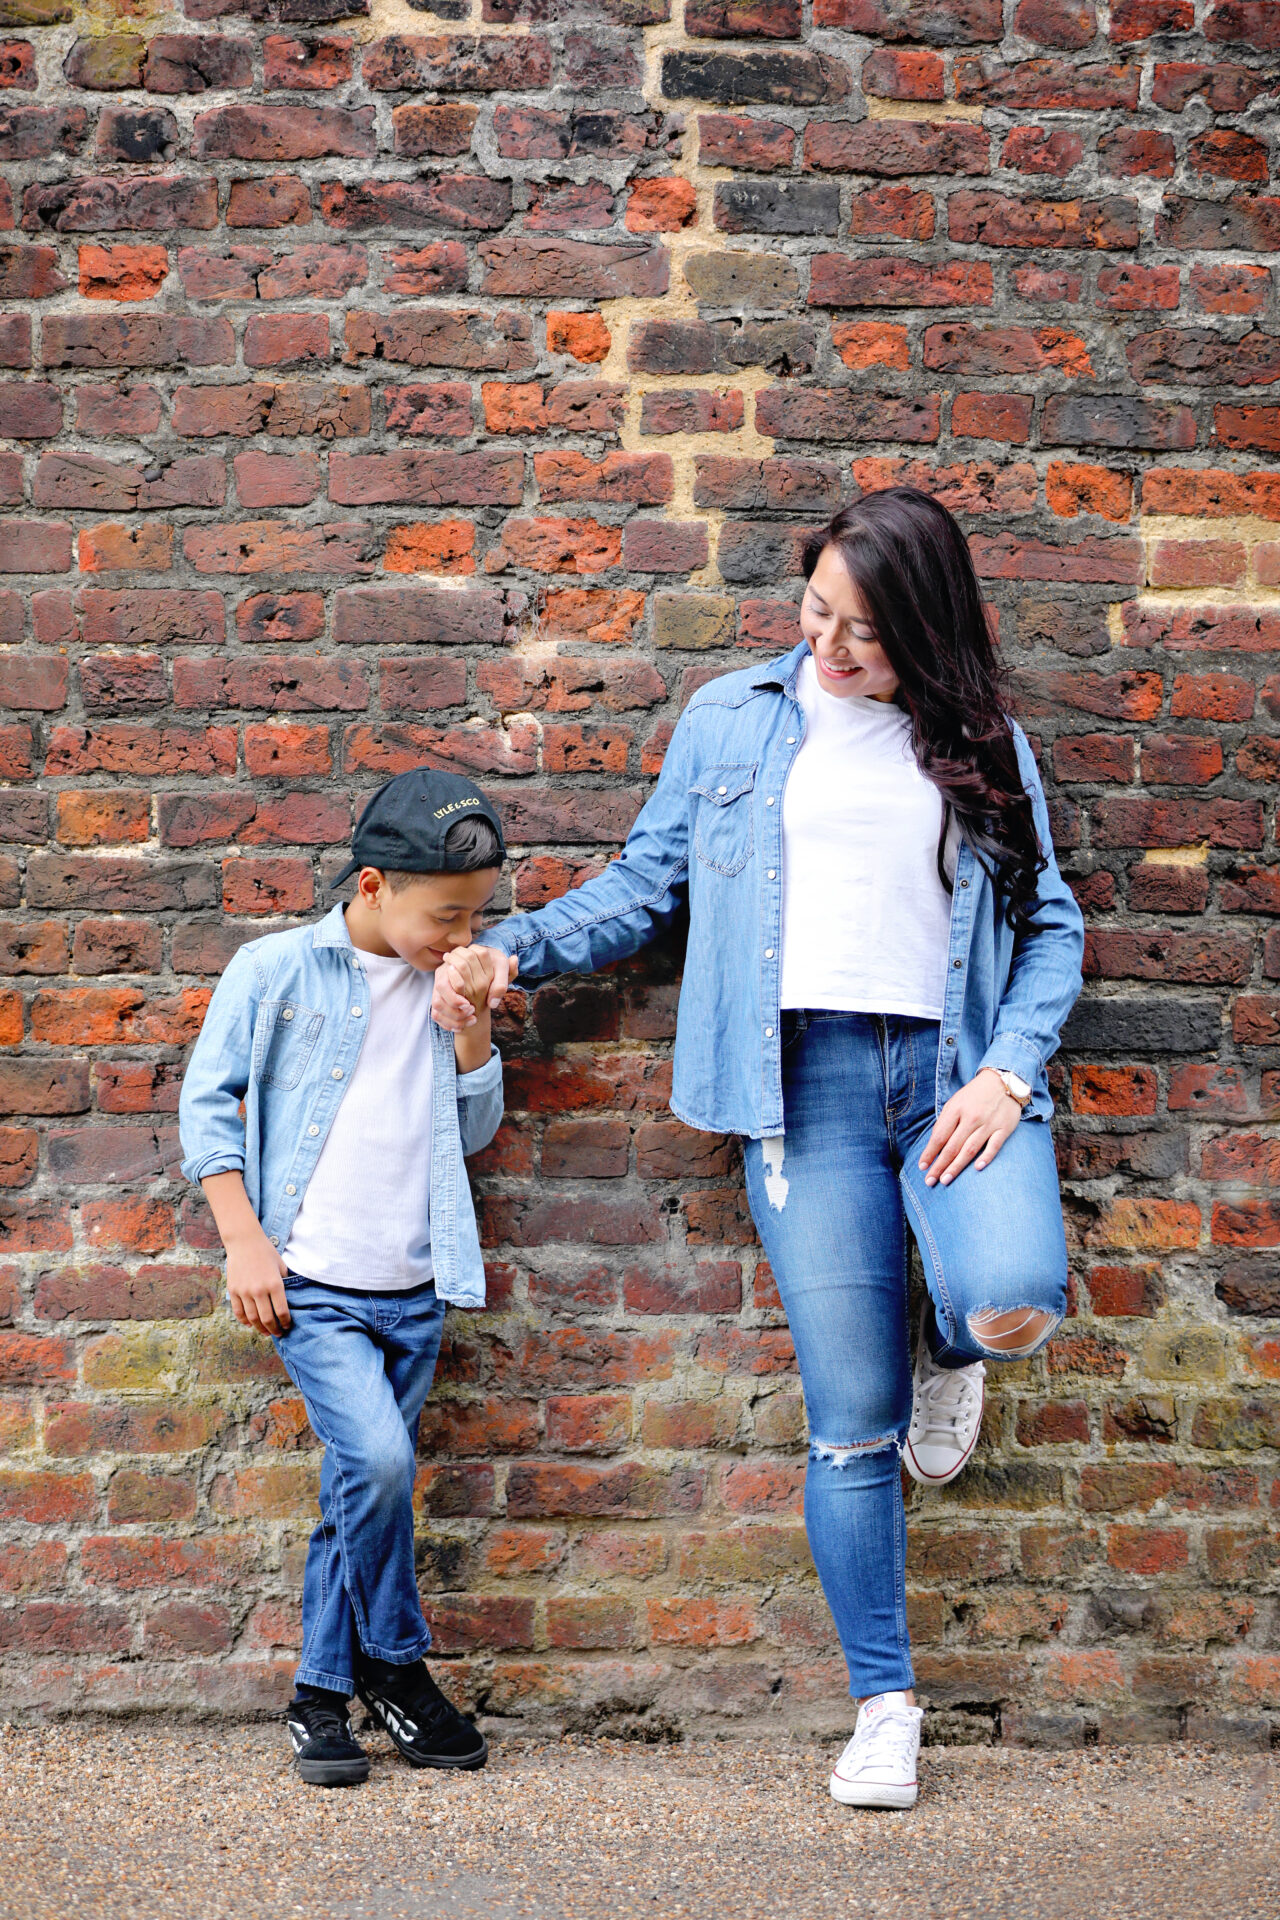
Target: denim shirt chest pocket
(284, 1038)
(724, 833)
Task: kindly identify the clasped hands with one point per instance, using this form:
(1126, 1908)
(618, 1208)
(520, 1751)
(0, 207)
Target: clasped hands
(468, 979)
(973, 1125)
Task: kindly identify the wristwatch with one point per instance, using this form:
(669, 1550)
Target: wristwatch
(1013, 1084)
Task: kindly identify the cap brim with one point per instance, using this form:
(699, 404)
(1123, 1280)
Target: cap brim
(352, 866)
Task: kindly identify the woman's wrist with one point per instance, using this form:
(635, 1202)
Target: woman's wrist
(1013, 1084)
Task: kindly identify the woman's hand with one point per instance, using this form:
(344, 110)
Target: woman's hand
(977, 1120)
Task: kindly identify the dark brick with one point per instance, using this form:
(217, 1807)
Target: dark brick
(776, 79)
(777, 206)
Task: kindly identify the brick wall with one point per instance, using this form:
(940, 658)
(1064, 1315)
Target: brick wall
(457, 384)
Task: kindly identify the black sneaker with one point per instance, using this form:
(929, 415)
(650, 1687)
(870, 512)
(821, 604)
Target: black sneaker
(325, 1752)
(427, 1728)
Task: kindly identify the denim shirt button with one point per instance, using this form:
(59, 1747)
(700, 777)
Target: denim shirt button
(275, 1239)
(769, 801)
(313, 1131)
(772, 874)
(964, 883)
(291, 1189)
(957, 963)
(768, 953)
(356, 1012)
(768, 1033)
(791, 739)
(951, 1039)
(337, 1073)
(287, 1014)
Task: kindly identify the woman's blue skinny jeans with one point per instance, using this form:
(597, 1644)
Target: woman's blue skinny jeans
(833, 1198)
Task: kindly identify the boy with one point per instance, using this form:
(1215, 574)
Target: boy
(326, 1117)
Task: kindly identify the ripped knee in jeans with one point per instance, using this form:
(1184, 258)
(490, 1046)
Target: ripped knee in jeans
(828, 1455)
(1012, 1333)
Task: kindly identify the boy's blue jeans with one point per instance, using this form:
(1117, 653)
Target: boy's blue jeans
(832, 1199)
(363, 1363)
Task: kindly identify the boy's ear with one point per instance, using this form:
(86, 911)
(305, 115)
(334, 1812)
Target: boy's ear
(369, 884)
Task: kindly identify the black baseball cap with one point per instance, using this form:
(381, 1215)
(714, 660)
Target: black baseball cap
(403, 827)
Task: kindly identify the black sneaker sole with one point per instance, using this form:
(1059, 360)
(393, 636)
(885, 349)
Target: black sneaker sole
(332, 1773)
(448, 1762)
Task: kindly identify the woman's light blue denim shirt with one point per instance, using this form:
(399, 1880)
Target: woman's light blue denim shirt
(712, 832)
(281, 1037)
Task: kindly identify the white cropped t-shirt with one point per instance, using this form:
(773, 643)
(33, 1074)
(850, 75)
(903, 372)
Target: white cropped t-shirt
(865, 915)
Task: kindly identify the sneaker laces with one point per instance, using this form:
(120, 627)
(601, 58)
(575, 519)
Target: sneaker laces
(419, 1694)
(320, 1719)
(882, 1740)
(945, 1401)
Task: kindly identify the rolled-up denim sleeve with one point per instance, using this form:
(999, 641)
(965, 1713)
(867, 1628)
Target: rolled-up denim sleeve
(480, 1103)
(1044, 978)
(623, 908)
(217, 1075)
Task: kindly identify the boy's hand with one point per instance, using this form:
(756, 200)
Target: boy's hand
(468, 980)
(255, 1284)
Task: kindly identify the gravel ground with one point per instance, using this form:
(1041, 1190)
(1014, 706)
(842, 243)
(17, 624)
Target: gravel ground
(183, 1823)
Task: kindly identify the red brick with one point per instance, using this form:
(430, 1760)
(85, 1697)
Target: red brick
(710, 1286)
(1042, 150)
(134, 1562)
(47, 1498)
(627, 1488)
(1094, 756)
(590, 1622)
(733, 140)
(271, 200)
(297, 64)
(701, 1623)
(286, 339)
(1147, 1550)
(1126, 1291)
(588, 1423)
(908, 73)
(1230, 289)
(660, 205)
(992, 416)
(260, 886)
(1114, 1090)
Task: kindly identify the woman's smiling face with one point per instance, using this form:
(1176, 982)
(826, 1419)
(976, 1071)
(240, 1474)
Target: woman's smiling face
(833, 620)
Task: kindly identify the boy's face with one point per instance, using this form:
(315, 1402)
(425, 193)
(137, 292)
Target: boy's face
(425, 918)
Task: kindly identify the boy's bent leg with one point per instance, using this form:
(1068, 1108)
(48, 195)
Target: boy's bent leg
(333, 1355)
(994, 1249)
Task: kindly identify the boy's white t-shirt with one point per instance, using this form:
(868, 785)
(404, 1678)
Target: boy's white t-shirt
(866, 919)
(365, 1218)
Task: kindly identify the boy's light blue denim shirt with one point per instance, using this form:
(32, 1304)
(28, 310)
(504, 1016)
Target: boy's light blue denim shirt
(712, 833)
(282, 1034)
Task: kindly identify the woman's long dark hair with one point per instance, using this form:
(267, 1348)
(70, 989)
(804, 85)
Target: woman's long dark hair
(911, 565)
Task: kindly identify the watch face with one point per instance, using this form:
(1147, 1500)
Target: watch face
(1018, 1087)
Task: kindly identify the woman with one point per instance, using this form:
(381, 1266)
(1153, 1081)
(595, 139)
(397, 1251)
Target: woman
(881, 956)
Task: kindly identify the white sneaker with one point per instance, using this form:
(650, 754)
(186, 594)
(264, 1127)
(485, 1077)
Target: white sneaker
(946, 1417)
(878, 1767)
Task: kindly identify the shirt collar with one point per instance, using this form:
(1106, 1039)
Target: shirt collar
(332, 930)
(782, 673)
